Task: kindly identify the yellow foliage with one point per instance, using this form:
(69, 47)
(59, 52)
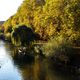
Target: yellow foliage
(48, 17)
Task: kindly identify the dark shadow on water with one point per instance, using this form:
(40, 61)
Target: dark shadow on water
(66, 72)
(23, 60)
(42, 69)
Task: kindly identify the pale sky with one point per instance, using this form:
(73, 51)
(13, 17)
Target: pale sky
(8, 8)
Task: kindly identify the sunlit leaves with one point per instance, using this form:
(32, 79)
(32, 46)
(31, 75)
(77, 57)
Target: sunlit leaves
(48, 17)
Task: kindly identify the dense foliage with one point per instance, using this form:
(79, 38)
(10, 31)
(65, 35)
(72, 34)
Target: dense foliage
(22, 35)
(48, 18)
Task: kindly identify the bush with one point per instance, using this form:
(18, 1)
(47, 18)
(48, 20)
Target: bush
(55, 46)
(22, 35)
(8, 36)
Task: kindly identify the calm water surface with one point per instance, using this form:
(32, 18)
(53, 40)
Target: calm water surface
(38, 70)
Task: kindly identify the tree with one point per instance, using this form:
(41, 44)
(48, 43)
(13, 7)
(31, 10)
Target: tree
(48, 18)
(22, 35)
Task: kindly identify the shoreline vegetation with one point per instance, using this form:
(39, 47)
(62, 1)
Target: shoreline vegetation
(46, 29)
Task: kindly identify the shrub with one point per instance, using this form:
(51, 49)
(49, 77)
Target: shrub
(55, 46)
(8, 36)
(22, 35)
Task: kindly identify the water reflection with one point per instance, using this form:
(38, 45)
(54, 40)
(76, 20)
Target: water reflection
(34, 71)
(37, 70)
(41, 71)
(7, 70)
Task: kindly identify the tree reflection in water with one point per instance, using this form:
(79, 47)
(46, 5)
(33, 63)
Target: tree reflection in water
(39, 69)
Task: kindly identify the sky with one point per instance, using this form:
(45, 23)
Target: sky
(8, 8)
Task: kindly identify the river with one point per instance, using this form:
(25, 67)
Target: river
(38, 70)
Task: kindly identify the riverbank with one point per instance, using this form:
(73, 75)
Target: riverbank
(39, 69)
(58, 49)
(66, 61)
